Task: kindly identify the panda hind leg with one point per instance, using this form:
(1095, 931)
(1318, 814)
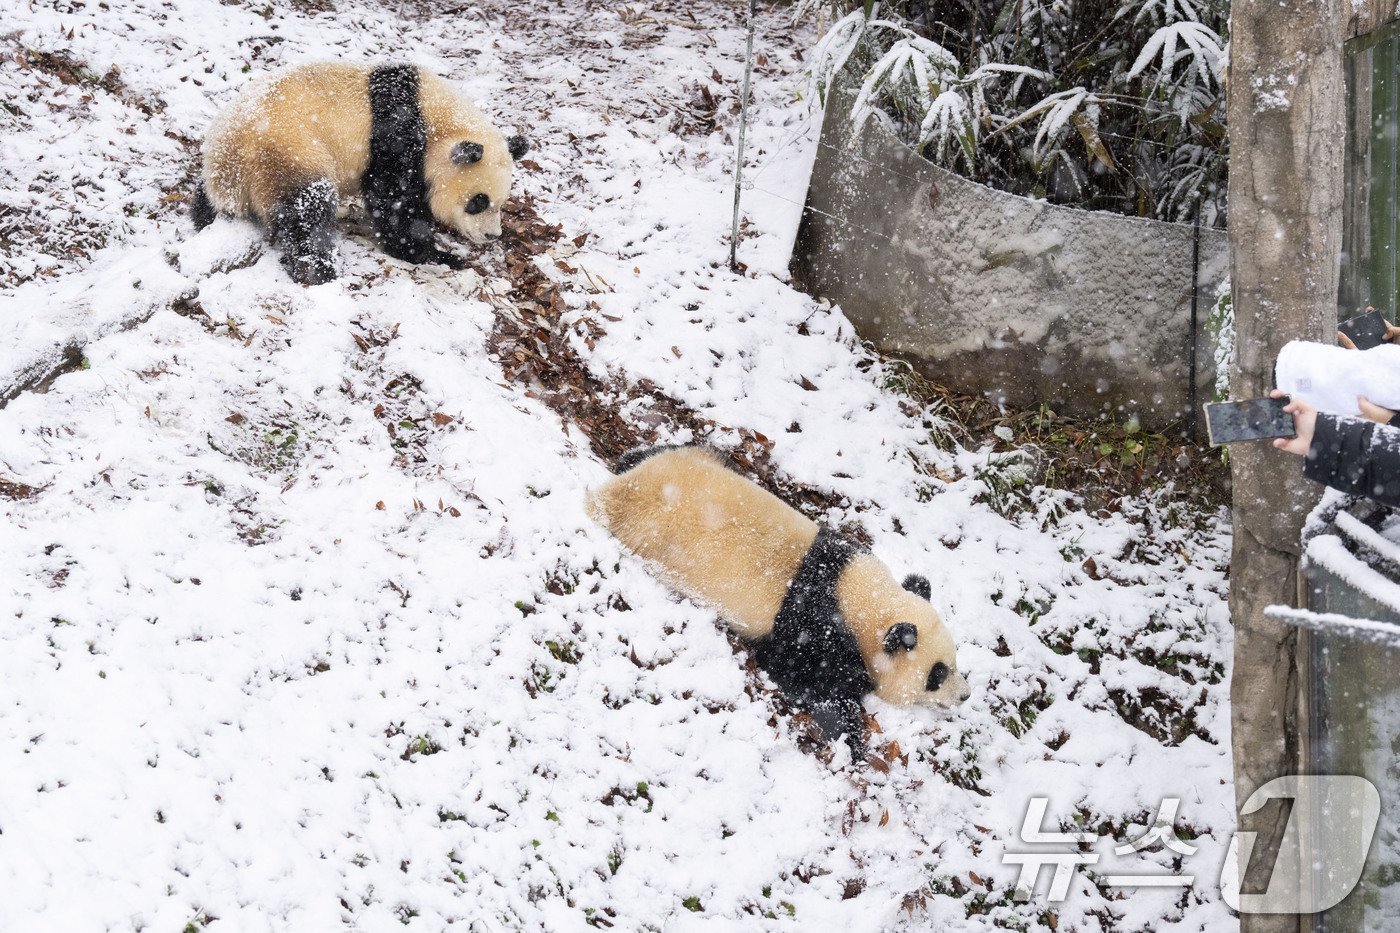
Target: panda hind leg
(302, 227)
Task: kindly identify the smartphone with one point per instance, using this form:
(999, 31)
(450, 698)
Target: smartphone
(1365, 330)
(1251, 419)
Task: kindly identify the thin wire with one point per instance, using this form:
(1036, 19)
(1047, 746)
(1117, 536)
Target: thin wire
(808, 207)
(920, 181)
(753, 184)
(883, 168)
(792, 137)
(1146, 142)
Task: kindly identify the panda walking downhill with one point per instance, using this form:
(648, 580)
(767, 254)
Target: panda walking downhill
(290, 150)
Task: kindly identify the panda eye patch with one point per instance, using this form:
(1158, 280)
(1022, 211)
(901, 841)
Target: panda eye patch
(937, 676)
(902, 636)
(478, 203)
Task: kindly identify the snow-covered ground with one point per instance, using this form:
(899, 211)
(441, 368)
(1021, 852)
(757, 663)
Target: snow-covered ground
(302, 624)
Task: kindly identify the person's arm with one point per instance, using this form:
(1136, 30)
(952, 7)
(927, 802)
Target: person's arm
(1376, 413)
(1336, 455)
(1355, 456)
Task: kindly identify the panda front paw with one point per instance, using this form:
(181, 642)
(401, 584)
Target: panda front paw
(309, 269)
(444, 258)
(838, 717)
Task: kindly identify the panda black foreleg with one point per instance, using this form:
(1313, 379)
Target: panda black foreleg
(201, 208)
(639, 455)
(302, 227)
(405, 232)
(838, 716)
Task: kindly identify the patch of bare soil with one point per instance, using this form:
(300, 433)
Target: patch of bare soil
(1102, 461)
(536, 349)
(9, 489)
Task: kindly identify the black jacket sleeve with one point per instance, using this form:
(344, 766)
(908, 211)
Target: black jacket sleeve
(1357, 457)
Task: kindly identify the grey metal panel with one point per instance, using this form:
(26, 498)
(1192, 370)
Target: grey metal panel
(986, 291)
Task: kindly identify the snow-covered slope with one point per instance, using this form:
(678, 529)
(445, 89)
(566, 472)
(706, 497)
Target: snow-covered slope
(301, 621)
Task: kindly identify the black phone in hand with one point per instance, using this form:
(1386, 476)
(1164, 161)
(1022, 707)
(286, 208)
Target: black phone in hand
(1365, 330)
(1250, 419)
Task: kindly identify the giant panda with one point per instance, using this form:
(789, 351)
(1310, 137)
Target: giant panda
(823, 617)
(290, 149)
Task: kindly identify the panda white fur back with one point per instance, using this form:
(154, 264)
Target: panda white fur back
(291, 148)
(827, 620)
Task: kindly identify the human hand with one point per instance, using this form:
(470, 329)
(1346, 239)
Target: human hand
(1392, 333)
(1376, 413)
(1304, 421)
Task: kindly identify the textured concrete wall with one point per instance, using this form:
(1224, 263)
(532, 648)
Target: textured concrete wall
(989, 292)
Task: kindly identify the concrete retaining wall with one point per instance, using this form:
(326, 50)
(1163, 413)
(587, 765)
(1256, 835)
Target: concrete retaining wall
(984, 291)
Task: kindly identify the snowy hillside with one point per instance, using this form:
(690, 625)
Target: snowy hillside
(302, 625)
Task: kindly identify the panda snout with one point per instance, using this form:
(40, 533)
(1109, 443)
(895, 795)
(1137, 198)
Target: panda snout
(958, 690)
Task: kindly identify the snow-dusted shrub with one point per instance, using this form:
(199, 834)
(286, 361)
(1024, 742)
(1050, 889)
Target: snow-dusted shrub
(1104, 104)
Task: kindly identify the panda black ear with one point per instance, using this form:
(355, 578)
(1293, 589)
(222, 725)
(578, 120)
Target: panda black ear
(518, 146)
(465, 153)
(902, 636)
(919, 586)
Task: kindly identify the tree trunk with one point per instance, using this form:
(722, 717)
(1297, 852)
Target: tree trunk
(1286, 113)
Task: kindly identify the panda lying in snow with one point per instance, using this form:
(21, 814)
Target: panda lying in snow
(823, 617)
(290, 148)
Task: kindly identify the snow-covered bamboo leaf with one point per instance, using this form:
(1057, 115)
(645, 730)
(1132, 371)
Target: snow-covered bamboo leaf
(981, 100)
(1160, 11)
(1092, 141)
(984, 71)
(1201, 46)
(834, 50)
(948, 122)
